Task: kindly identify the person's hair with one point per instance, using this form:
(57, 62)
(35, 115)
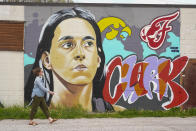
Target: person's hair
(36, 71)
(45, 41)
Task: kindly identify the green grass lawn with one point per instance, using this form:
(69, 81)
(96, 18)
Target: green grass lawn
(17, 112)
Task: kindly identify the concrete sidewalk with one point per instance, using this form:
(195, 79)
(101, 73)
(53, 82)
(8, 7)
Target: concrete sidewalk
(104, 124)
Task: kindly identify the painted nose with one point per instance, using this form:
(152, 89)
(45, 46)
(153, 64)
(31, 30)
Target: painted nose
(79, 57)
(79, 54)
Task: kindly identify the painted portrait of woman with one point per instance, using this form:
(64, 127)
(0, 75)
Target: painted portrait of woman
(71, 56)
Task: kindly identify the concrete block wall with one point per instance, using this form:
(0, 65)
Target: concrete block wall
(188, 32)
(11, 64)
(8, 12)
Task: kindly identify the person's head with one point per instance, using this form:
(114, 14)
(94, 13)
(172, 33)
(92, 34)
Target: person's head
(70, 45)
(37, 71)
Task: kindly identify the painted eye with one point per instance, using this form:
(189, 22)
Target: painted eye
(67, 45)
(88, 44)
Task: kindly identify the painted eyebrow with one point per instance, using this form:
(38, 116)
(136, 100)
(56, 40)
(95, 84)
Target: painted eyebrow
(65, 38)
(87, 38)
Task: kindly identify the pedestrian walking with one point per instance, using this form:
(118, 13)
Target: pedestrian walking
(38, 93)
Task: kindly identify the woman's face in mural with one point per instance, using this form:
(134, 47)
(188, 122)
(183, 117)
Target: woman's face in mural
(73, 54)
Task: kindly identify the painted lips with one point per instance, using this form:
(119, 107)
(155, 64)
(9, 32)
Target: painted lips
(80, 68)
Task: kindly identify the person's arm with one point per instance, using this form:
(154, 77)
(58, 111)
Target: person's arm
(41, 86)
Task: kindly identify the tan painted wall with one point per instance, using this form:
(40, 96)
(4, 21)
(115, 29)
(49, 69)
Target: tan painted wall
(188, 32)
(11, 64)
(15, 13)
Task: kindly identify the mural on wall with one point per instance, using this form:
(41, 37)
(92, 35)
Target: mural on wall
(155, 33)
(107, 64)
(136, 77)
